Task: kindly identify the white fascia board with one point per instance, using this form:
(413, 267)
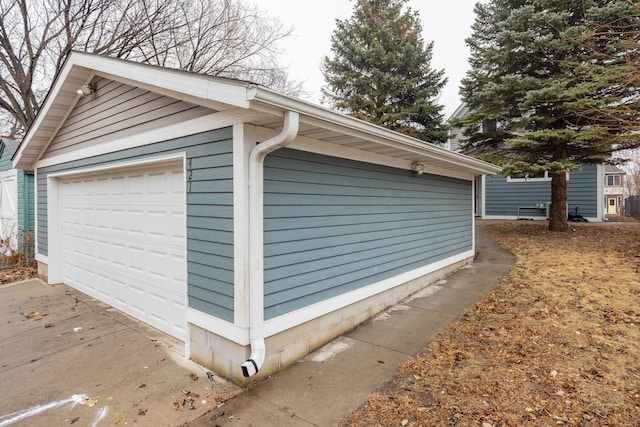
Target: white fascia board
(59, 101)
(461, 111)
(226, 91)
(325, 118)
(329, 149)
(80, 68)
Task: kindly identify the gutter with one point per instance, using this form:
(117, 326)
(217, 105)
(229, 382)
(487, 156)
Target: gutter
(321, 116)
(256, 237)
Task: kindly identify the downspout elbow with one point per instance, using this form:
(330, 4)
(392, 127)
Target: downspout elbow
(256, 255)
(285, 137)
(256, 360)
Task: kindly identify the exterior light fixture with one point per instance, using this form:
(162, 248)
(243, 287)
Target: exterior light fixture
(418, 168)
(87, 89)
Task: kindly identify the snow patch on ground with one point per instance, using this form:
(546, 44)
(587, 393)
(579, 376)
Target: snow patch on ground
(387, 313)
(329, 351)
(429, 290)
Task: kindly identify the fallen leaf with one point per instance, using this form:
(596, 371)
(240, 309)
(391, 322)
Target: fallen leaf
(89, 402)
(121, 419)
(405, 422)
(193, 377)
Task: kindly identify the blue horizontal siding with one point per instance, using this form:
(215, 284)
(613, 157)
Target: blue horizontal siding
(209, 212)
(24, 199)
(335, 225)
(582, 191)
(503, 198)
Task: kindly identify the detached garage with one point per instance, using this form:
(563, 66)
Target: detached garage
(251, 225)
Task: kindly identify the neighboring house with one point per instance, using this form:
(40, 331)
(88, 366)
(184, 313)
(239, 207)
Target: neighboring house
(614, 190)
(455, 133)
(16, 203)
(529, 197)
(520, 197)
(171, 196)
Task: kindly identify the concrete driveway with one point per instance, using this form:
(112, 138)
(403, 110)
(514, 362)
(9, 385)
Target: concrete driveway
(67, 359)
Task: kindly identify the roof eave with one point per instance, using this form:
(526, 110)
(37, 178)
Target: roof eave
(80, 69)
(269, 98)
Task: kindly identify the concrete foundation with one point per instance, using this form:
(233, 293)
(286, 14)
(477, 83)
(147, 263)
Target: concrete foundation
(43, 271)
(225, 357)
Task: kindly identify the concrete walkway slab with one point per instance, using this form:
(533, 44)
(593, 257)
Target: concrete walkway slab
(336, 379)
(58, 346)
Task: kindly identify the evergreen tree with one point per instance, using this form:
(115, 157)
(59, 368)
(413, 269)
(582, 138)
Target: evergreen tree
(560, 80)
(381, 70)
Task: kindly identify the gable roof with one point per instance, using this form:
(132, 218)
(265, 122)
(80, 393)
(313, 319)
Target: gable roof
(613, 169)
(10, 145)
(316, 122)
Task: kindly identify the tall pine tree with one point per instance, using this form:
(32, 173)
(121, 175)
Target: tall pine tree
(560, 79)
(381, 70)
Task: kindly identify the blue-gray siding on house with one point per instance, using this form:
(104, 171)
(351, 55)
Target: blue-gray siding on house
(334, 225)
(26, 203)
(25, 199)
(209, 187)
(503, 198)
(117, 110)
(5, 161)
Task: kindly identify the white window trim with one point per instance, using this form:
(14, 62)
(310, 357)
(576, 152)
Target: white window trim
(613, 176)
(546, 178)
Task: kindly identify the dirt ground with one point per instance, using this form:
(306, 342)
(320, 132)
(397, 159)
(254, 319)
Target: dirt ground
(557, 342)
(16, 274)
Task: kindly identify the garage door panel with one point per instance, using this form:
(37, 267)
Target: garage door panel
(124, 242)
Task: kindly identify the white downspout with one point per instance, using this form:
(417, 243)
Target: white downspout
(256, 255)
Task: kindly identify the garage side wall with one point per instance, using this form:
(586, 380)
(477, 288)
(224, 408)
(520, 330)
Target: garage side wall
(209, 191)
(335, 225)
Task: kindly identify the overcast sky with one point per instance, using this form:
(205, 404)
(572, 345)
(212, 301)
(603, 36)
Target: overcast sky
(447, 23)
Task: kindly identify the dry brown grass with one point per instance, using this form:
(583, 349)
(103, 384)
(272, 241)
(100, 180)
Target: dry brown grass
(16, 274)
(557, 342)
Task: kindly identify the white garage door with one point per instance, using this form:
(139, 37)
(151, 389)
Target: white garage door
(123, 241)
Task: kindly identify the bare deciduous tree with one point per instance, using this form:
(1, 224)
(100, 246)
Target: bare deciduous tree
(218, 37)
(632, 169)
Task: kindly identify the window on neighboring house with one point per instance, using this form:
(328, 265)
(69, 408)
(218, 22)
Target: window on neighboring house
(614, 180)
(489, 125)
(539, 176)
